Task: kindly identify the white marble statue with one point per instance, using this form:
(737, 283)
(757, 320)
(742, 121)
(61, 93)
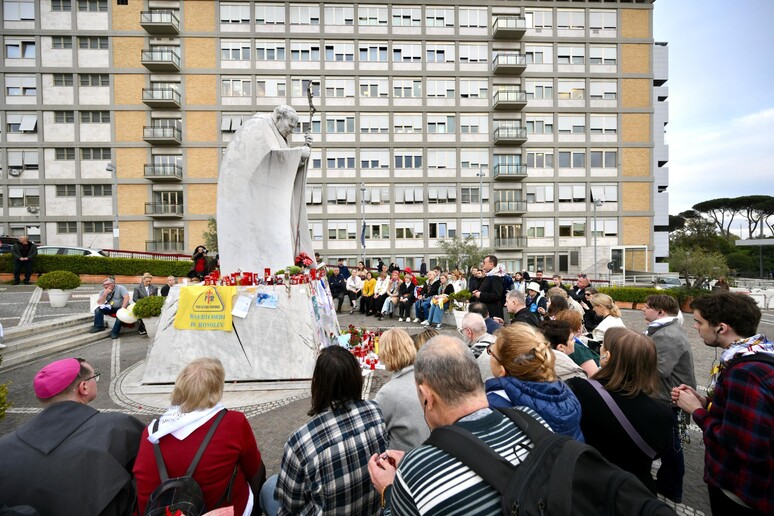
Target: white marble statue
(261, 213)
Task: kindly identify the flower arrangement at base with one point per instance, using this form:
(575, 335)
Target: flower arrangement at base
(362, 343)
(303, 260)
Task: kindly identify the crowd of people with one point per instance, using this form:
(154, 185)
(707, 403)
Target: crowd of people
(559, 354)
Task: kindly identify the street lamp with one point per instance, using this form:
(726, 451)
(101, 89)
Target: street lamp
(362, 219)
(597, 204)
(480, 205)
(114, 174)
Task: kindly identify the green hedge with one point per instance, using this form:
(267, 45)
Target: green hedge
(639, 294)
(101, 266)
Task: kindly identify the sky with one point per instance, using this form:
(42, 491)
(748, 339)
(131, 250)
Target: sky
(721, 98)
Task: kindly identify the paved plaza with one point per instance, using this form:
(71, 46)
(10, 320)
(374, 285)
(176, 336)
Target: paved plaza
(276, 410)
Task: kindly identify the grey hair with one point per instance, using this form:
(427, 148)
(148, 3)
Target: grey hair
(109, 280)
(283, 111)
(475, 322)
(517, 295)
(447, 366)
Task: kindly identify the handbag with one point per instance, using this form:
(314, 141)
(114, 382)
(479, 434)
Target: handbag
(619, 415)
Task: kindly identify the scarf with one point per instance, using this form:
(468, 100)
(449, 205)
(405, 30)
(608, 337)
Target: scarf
(743, 347)
(181, 424)
(497, 270)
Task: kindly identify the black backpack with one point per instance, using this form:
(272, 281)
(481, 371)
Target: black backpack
(559, 477)
(182, 493)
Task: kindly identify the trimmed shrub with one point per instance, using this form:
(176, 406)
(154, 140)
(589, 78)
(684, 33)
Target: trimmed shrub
(64, 280)
(101, 266)
(148, 307)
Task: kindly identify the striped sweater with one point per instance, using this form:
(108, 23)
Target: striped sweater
(430, 481)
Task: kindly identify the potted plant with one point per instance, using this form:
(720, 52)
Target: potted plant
(460, 302)
(148, 309)
(59, 285)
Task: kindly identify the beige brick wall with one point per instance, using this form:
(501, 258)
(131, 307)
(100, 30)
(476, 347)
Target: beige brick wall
(132, 235)
(127, 89)
(195, 229)
(200, 126)
(636, 162)
(635, 260)
(636, 230)
(636, 128)
(127, 17)
(199, 53)
(132, 199)
(129, 125)
(635, 93)
(202, 163)
(202, 199)
(636, 196)
(201, 90)
(635, 58)
(130, 162)
(127, 52)
(198, 16)
(635, 23)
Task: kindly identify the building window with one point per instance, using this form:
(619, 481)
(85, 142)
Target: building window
(64, 154)
(377, 230)
(539, 54)
(566, 19)
(572, 124)
(95, 117)
(606, 193)
(376, 194)
(315, 127)
(540, 124)
(20, 49)
(407, 124)
(374, 158)
(473, 228)
(439, 53)
(407, 88)
(22, 160)
(540, 159)
(63, 79)
(21, 122)
(234, 13)
(442, 194)
(66, 227)
(474, 124)
(446, 229)
(604, 124)
(304, 51)
(372, 53)
(300, 86)
(316, 230)
(540, 20)
(95, 153)
(540, 194)
(92, 42)
(372, 16)
(473, 195)
(97, 190)
(406, 53)
(93, 5)
(474, 89)
(409, 229)
(572, 193)
(341, 230)
(64, 117)
(339, 124)
(406, 17)
(235, 50)
(340, 159)
(61, 42)
(474, 17)
(340, 52)
(19, 10)
(539, 90)
(440, 124)
(441, 158)
(230, 122)
(65, 190)
(98, 227)
(605, 227)
(474, 53)
(603, 20)
(20, 86)
(441, 88)
(603, 90)
(374, 124)
(304, 15)
(339, 15)
(270, 88)
(341, 194)
(270, 51)
(61, 5)
(439, 17)
(408, 159)
(409, 194)
(572, 159)
(572, 228)
(604, 158)
(602, 55)
(540, 228)
(236, 87)
(570, 55)
(94, 79)
(313, 194)
(374, 87)
(572, 90)
(474, 158)
(266, 14)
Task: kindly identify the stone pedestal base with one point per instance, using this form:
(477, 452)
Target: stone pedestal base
(269, 344)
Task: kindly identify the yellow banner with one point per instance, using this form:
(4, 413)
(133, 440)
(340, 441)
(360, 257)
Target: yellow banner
(204, 308)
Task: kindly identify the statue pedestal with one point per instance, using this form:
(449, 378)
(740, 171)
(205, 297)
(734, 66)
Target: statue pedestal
(268, 344)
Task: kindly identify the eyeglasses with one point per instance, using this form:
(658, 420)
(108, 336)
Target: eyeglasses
(95, 378)
(491, 353)
(588, 294)
(462, 330)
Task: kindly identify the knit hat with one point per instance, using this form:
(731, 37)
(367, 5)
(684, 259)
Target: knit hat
(533, 286)
(55, 377)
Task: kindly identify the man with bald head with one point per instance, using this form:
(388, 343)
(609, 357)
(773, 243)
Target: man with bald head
(451, 392)
(70, 459)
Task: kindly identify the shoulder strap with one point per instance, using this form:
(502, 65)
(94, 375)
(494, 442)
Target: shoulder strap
(163, 475)
(621, 417)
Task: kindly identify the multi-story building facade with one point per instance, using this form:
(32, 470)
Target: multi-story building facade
(530, 125)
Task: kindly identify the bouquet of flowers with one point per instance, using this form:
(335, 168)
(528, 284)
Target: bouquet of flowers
(303, 260)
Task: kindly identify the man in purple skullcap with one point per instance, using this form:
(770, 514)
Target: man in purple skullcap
(70, 459)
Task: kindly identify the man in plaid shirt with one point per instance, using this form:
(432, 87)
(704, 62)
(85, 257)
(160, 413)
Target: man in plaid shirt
(737, 414)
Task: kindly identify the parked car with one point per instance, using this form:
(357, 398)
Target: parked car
(70, 251)
(668, 282)
(6, 243)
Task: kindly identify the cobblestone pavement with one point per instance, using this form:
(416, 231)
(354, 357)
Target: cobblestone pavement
(272, 421)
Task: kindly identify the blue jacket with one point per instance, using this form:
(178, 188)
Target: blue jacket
(554, 401)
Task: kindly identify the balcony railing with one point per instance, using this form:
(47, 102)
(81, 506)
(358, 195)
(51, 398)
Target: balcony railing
(161, 97)
(164, 172)
(509, 171)
(509, 134)
(153, 246)
(506, 207)
(510, 98)
(162, 209)
(509, 27)
(509, 63)
(511, 243)
(161, 60)
(162, 135)
(160, 22)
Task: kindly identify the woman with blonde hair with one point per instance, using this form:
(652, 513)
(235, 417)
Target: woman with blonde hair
(231, 471)
(402, 413)
(522, 363)
(604, 306)
(629, 376)
(420, 339)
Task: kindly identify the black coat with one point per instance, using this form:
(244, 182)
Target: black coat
(491, 294)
